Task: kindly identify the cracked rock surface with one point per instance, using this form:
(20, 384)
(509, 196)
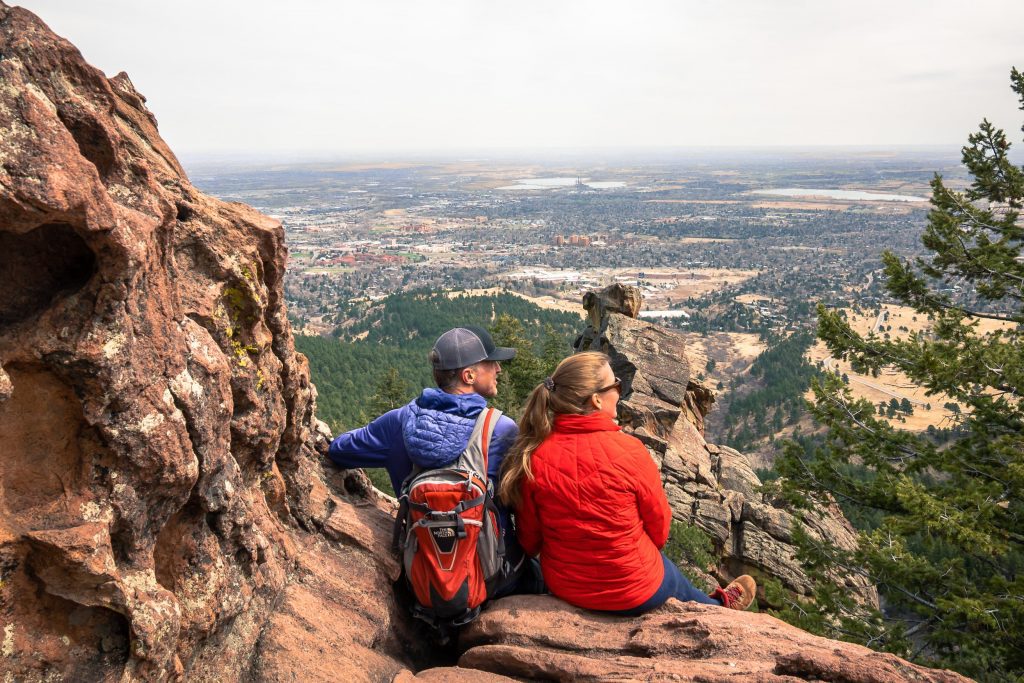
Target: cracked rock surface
(539, 637)
(162, 509)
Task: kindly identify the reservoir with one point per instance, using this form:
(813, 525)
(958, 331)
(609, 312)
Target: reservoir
(860, 195)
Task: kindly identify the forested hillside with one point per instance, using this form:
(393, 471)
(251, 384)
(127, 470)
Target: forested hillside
(353, 374)
(781, 377)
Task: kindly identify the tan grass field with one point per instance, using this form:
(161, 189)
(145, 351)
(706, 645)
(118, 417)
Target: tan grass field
(478, 185)
(733, 352)
(546, 302)
(820, 204)
(896, 187)
(904, 316)
(690, 283)
(751, 298)
(891, 384)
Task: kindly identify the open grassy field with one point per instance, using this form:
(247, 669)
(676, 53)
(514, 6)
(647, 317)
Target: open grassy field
(898, 322)
(733, 352)
(548, 302)
(673, 286)
(751, 298)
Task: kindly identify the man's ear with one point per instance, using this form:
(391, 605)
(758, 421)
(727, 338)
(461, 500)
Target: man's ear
(467, 375)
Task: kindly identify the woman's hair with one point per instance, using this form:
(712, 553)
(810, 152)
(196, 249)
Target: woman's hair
(572, 384)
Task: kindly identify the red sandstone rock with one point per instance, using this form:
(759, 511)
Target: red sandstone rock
(540, 637)
(162, 503)
(454, 674)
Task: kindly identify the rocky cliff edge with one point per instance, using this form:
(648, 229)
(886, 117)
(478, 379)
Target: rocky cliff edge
(165, 512)
(163, 508)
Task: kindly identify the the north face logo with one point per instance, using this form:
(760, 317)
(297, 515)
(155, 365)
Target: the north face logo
(444, 539)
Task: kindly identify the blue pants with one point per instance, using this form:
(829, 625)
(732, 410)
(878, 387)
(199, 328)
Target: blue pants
(526, 581)
(674, 585)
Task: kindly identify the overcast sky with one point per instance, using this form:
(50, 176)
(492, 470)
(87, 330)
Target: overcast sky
(394, 76)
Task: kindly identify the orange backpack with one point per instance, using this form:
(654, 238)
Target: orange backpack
(448, 536)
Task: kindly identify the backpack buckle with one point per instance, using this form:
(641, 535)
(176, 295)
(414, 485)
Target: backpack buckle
(453, 518)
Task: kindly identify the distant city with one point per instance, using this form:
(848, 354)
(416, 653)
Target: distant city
(793, 229)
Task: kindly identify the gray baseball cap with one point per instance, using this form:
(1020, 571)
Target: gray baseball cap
(465, 346)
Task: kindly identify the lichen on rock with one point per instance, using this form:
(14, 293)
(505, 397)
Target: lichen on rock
(161, 481)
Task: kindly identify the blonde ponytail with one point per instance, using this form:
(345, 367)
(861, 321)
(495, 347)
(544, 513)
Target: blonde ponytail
(534, 427)
(573, 382)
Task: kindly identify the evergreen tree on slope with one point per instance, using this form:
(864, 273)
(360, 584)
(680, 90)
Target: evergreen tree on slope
(946, 544)
(392, 392)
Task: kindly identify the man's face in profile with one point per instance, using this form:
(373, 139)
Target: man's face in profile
(486, 378)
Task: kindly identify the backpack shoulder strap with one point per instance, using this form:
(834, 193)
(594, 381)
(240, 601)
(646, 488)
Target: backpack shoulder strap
(474, 457)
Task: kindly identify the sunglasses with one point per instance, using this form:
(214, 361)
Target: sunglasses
(617, 385)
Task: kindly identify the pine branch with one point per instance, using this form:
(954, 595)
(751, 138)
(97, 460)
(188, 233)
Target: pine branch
(967, 253)
(938, 303)
(969, 215)
(920, 625)
(862, 572)
(907, 452)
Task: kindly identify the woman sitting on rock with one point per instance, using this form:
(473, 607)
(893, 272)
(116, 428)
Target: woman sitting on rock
(588, 499)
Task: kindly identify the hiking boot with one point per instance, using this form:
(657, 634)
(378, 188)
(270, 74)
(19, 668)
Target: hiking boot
(739, 594)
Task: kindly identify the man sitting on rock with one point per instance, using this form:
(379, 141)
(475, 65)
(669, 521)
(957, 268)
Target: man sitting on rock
(432, 430)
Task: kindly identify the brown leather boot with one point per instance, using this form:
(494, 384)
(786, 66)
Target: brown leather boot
(739, 594)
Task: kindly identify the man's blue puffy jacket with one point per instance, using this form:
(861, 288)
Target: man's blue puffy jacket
(430, 431)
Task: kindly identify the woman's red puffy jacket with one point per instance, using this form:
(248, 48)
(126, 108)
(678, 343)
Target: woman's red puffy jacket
(596, 513)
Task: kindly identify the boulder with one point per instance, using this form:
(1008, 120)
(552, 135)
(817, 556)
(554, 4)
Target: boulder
(617, 298)
(542, 638)
(164, 510)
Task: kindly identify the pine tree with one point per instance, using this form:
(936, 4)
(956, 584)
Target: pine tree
(392, 392)
(556, 348)
(946, 546)
(521, 374)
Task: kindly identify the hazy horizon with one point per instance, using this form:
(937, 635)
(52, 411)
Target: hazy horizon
(593, 155)
(458, 77)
